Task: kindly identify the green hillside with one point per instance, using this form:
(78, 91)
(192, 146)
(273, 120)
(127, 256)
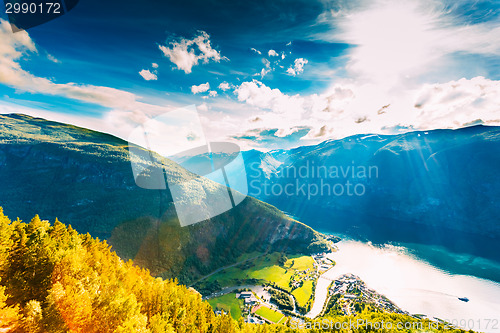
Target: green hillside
(78, 175)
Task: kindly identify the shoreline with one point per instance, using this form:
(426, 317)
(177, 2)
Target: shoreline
(432, 292)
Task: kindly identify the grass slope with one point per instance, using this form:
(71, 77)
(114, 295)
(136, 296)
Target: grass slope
(304, 293)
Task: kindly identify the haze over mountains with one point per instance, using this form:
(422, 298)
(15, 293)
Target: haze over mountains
(435, 187)
(85, 177)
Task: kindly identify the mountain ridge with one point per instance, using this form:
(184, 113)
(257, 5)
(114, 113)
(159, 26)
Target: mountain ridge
(431, 187)
(75, 174)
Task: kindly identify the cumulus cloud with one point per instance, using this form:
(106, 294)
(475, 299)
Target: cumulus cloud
(457, 103)
(289, 114)
(201, 88)
(266, 70)
(340, 112)
(147, 75)
(258, 94)
(224, 86)
(212, 93)
(187, 53)
(272, 53)
(154, 65)
(394, 46)
(297, 67)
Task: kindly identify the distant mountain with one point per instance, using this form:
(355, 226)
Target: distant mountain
(435, 187)
(85, 177)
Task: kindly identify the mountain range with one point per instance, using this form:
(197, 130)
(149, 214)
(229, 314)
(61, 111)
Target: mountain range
(436, 187)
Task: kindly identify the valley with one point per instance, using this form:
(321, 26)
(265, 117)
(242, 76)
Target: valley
(254, 262)
(74, 174)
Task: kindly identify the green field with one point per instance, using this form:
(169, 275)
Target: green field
(303, 293)
(300, 263)
(228, 303)
(275, 274)
(265, 269)
(269, 314)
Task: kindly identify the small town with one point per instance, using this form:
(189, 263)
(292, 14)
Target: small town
(349, 295)
(274, 303)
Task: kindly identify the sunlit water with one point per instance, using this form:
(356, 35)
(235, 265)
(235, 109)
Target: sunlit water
(414, 285)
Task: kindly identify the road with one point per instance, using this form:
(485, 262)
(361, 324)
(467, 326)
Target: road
(231, 289)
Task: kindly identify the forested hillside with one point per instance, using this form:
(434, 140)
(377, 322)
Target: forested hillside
(57, 280)
(83, 176)
(53, 279)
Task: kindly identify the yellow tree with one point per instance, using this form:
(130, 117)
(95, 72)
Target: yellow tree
(9, 315)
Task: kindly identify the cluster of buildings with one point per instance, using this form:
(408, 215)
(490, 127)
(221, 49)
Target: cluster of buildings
(301, 276)
(322, 262)
(354, 290)
(248, 298)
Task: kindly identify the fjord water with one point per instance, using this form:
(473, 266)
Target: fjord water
(417, 286)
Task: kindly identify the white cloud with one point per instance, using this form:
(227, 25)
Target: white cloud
(266, 70)
(258, 94)
(457, 103)
(12, 46)
(394, 45)
(186, 53)
(395, 40)
(343, 110)
(203, 107)
(392, 39)
(53, 59)
(147, 75)
(224, 86)
(212, 93)
(125, 106)
(201, 88)
(154, 65)
(272, 53)
(298, 67)
(256, 51)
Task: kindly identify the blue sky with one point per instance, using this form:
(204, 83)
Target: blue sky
(272, 74)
